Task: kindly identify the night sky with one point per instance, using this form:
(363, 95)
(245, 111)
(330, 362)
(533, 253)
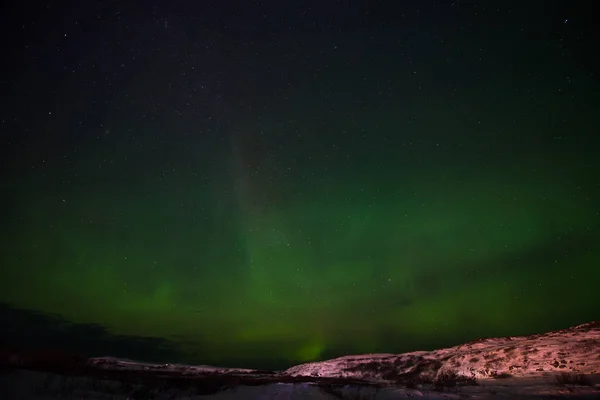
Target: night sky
(263, 183)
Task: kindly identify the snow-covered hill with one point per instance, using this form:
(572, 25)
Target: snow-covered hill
(563, 363)
(575, 351)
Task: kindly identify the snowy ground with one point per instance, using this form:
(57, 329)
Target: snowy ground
(561, 364)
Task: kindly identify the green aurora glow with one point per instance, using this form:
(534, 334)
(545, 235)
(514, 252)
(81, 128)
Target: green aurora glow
(296, 233)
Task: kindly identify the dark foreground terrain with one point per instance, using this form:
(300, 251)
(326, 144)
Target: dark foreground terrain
(560, 364)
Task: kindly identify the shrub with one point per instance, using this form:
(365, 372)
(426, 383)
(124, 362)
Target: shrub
(448, 379)
(501, 375)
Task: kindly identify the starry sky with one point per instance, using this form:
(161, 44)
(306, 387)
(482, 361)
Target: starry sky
(265, 183)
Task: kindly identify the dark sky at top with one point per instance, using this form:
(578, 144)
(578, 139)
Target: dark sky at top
(263, 183)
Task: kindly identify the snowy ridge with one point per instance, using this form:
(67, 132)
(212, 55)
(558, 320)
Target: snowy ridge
(574, 350)
(564, 363)
(112, 363)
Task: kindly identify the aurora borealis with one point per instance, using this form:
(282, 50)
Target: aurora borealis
(268, 184)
